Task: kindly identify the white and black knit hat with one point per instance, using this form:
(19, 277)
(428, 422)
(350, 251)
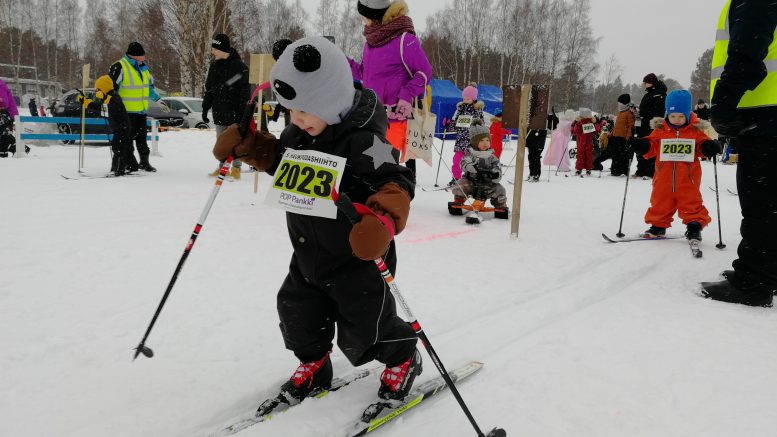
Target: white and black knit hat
(373, 9)
(220, 42)
(313, 75)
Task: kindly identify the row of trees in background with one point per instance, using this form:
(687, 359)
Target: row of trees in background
(486, 41)
(59, 36)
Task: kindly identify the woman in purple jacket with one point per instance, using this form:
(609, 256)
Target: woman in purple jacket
(10, 103)
(393, 64)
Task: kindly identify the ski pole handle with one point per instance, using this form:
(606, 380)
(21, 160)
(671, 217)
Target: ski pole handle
(251, 108)
(345, 205)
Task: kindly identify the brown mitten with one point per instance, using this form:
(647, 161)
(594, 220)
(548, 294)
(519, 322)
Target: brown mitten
(258, 150)
(370, 238)
(393, 201)
(384, 215)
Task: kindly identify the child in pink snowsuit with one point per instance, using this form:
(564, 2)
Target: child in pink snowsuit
(559, 142)
(584, 130)
(467, 111)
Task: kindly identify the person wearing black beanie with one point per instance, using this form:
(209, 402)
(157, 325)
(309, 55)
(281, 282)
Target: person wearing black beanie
(651, 106)
(134, 83)
(226, 91)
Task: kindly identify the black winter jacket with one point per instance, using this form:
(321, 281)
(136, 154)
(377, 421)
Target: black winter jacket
(118, 119)
(751, 28)
(653, 104)
(320, 244)
(226, 89)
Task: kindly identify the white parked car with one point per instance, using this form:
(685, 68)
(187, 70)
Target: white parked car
(191, 107)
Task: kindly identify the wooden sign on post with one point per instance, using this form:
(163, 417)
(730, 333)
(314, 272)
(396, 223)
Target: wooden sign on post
(511, 103)
(522, 118)
(259, 72)
(538, 107)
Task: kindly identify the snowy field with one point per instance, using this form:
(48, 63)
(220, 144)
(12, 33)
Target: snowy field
(579, 337)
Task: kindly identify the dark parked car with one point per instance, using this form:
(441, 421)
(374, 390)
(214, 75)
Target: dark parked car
(68, 106)
(165, 116)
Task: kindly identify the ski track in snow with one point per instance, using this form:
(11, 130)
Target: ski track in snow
(579, 337)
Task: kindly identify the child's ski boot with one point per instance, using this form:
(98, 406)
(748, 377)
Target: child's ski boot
(501, 211)
(457, 202)
(310, 376)
(693, 231)
(396, 381)
(655, 232)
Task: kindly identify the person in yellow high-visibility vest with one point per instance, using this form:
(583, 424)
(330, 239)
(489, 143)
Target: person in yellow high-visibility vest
(135, 85)
(744, 108)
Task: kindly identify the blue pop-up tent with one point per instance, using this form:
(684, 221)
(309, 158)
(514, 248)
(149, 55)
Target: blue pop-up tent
(491, 96)
(445, 96)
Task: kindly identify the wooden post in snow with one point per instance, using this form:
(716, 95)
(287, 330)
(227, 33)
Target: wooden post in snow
(84, 83)
(523, 126)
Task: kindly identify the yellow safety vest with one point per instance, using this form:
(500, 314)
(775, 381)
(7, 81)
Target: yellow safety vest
(765, 94)
(133, 88)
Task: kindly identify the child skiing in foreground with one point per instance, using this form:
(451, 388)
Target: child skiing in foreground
(332, 280)
(677, 142)
(481, 172)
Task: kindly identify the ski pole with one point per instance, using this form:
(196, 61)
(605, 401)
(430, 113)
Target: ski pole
(142, 348)
(439, 161)
(563, 153)
(720, 244)
(620, 233)
(346, 206)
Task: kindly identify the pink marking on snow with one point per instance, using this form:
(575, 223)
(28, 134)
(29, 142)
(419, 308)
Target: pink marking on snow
(427, 238)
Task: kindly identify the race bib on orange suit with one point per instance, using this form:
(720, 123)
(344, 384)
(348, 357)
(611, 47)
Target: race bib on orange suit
(677, 150)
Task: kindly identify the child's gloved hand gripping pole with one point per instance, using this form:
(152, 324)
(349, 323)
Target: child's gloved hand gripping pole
(244, 128)
(356, 212)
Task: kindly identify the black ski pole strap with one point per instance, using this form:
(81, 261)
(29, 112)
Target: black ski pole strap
(345, 205)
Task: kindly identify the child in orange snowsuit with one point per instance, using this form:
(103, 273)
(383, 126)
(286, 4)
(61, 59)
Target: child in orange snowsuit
(677, 142)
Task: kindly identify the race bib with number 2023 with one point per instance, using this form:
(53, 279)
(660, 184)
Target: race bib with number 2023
(678, 150)
(464, 121)
(304, 181)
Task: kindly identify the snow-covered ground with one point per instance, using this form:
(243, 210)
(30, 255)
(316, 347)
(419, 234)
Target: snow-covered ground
(580, 337)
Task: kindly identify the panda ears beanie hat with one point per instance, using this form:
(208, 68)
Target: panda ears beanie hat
(313, 75)
(373, 9)
(477, 132)
(679, 101)
(624, 99)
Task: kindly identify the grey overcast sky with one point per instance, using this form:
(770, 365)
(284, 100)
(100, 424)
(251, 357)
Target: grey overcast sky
(654, 36)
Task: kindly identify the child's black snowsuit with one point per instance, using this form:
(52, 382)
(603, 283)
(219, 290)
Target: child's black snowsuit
(535, 142)
(327, 285)
(118, 120)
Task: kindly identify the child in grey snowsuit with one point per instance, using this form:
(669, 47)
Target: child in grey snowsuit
(481, 171)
